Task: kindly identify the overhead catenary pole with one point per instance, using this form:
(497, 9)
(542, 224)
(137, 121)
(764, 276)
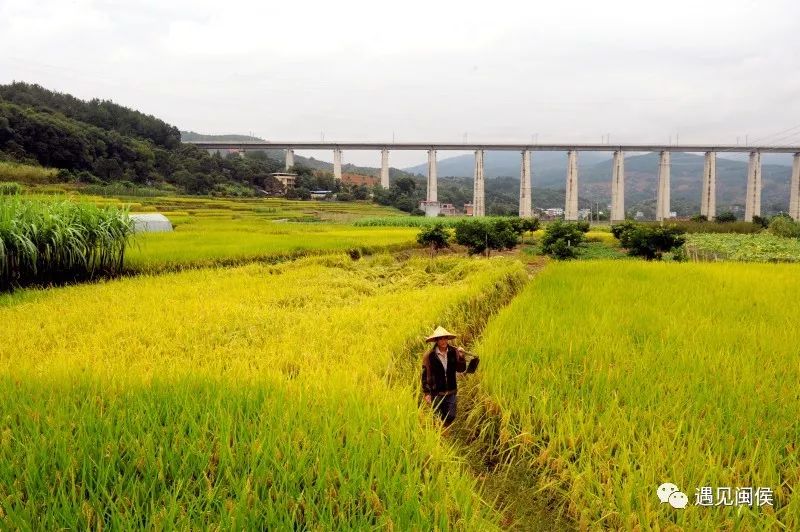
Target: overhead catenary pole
(571, 199)
(618, 187)
(478, 195)
(525, 185)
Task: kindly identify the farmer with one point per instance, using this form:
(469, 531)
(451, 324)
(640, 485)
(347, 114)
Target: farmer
(439, 367)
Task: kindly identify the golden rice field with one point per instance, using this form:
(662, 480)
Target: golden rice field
(206, 240)
(211, 231)
(606, 379)
(280, 397)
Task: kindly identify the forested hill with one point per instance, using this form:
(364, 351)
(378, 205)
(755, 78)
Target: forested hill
(100, 142)
(100, 113)
(191, 136)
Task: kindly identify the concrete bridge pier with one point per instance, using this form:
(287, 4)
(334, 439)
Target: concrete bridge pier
(662, 202)
(337, 164)
(618, 187)
(432, 178)
(571, 200)
(385, 168)
(478, 194)
(525, 186)
(289, 159)
(752, 202)
(708, 201)
(794, 193)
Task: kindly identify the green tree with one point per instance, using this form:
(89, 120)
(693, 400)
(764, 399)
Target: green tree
(435, 237)
(483, 235)
(725, 217)
(561, 239)
(651, 241)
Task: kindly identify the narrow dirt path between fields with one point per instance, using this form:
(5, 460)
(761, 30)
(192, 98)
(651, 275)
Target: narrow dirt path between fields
(511, 490)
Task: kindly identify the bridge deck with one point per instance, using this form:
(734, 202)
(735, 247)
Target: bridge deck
(489, 146)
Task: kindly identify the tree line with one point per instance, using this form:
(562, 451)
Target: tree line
(102, 142)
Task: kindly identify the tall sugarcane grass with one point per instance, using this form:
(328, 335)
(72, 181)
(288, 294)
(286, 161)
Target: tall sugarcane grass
(603, 380)
(261, 397)
(54, 241)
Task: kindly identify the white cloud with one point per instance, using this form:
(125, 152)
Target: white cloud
(573, 70)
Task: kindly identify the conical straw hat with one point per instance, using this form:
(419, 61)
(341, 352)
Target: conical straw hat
(440, 332)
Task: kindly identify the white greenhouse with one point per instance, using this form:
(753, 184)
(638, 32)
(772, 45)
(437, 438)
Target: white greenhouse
(151, 222)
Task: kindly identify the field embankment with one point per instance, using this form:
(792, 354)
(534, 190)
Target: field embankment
(603, 380)
(267, 396)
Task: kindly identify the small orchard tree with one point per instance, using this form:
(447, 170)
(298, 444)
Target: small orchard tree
(482, 235)
(763, 221)
(530, 224)
(523, 225)
(474, 234)
(650, 241)
(561, 239)
(435, 237)
(618, 229)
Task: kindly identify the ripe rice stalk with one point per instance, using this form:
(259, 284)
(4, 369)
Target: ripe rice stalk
(626, 375)
(270, 397)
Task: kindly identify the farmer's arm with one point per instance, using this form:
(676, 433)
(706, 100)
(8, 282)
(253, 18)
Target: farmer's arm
(425, 389)
(461, 361)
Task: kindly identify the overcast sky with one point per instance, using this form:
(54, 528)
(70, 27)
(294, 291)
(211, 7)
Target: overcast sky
(708, 71)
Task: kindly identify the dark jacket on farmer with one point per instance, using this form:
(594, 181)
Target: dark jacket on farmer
(435, 381)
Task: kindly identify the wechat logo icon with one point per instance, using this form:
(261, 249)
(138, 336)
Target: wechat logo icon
(669, 493)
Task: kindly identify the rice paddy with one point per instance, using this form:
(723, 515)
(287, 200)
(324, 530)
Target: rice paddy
(281, 397)
(276, 394)
(212, 232)
(605, 379)
(208, 241)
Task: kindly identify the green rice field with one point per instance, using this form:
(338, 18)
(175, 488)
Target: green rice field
(604, 380)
